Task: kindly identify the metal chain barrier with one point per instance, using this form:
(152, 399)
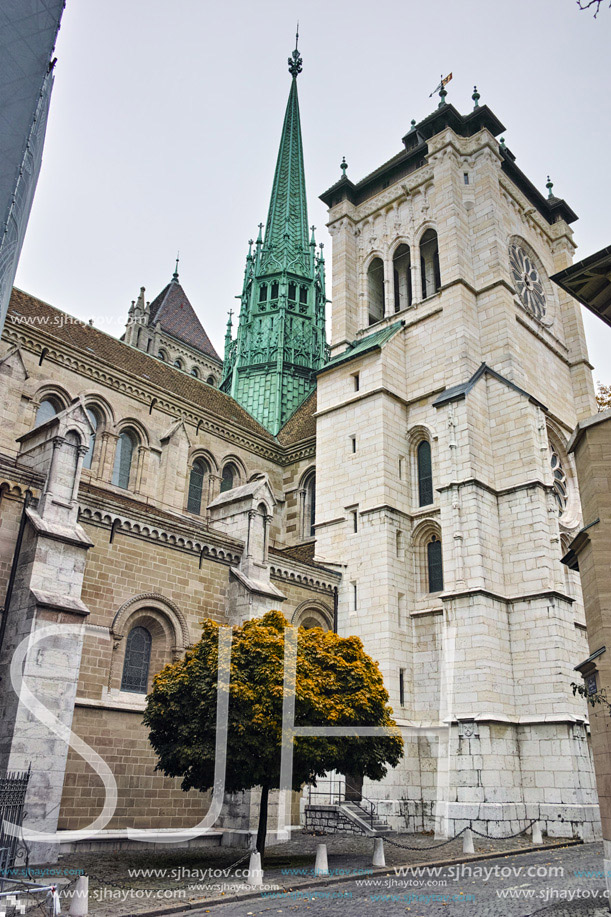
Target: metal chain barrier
(449, 840)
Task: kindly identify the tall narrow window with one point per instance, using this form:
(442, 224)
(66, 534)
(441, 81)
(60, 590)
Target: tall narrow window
(435, 565)
(47, 409)
(293, 292)
(275, 289)
(429, 263)
(402, 687)
(375, 290)
(123, 460)
(196, 486)
(229, 477)
(402, 275)
(309, 508)
(137, 661)
(263, 293)
(355, 597)
(93, 420)
(425, 473)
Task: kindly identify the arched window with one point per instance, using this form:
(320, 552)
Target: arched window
(94, 420)
(178, 363)
(162, 355)
(293, 292)
(435, 565)
(425, 473)
(199, 471)
(274, 290)
(123, 459)
(229, 477)
(210, 380)
(137, 661)
(195, 372)
(402, 276)
(47, 409)
(309, 506)
(263, 293)
(429, 263)
(375, 290)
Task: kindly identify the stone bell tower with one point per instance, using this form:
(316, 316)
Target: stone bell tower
(444, 487)
(271, 365)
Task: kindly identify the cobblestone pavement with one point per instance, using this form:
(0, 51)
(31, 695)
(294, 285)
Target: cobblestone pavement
(133, 883)
(567, 882)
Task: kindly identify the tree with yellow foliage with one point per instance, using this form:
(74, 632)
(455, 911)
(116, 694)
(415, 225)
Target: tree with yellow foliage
(337, 684)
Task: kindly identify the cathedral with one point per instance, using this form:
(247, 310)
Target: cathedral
(406, 481)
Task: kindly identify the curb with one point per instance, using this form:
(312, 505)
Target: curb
(202, 905)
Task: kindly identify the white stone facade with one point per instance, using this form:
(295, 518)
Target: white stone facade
(493, 733)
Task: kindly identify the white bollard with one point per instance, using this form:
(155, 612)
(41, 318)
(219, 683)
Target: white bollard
(79, 906)
(255, 873)
(467, 842)
(378, 852)
(321, 867)
(537, 836)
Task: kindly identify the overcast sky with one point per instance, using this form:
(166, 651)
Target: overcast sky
(166, 117)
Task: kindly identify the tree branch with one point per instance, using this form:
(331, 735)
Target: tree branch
(586, 4)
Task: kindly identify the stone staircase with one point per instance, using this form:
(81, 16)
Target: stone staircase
(360, 815)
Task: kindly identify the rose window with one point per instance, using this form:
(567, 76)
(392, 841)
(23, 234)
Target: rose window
(527, 281)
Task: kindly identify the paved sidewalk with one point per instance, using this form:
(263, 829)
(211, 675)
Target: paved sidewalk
(137, 883)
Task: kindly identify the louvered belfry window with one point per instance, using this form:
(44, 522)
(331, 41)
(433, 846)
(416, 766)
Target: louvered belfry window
(137, 661)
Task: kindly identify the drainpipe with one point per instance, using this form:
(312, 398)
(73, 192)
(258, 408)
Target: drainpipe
(335, 604)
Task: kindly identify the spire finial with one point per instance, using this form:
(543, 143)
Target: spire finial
(549, 185)
(475, 97)
(313, 238)
(260, 236)
(175, 274)
(295, 60)
(343, 166)
(502, 143)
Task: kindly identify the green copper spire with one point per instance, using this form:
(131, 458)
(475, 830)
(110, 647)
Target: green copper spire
(270, 367)
(286, 231)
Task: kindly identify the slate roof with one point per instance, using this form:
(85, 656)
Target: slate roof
(88, 340)
(177, 317)
(300, 425)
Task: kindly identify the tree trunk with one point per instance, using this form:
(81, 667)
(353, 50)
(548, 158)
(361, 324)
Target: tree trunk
(262, 821)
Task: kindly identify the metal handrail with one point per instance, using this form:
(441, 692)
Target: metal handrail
(337, 796)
